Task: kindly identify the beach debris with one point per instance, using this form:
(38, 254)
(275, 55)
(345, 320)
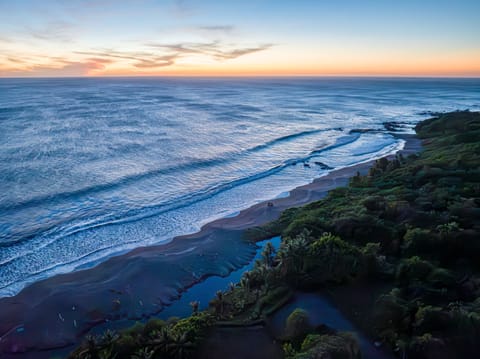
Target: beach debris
(74, 323)
(61, 318)
(377, 344)
(323, 166)
(394, 126)
(269, 204)
(140, 302)
(20, 329)
(363, 130)
(73, 307)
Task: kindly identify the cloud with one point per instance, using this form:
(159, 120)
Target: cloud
(225, 28)
(140, 59)
(232, 54)
(215, 29)
(5, 39)
(160, 61)
(72, 68)
(16, 60)
(164, 55)
(58, 67)
(214, 49)
(54, 30)
(183, 48)
(152, 56)
(110, 53)
(99, 60)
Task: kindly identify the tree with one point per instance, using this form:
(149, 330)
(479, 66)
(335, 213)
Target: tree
(219, 302)
(180, 347)
(91, 347)
(143, 353)
(108, 337)
(293, 251)
(245, 281)
(263, 271)
(331, 258)
(107, 353)
(195, 304)
(163, 340)
(268, 254)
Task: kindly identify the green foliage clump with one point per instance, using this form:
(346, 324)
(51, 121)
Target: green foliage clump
(297, 325)
(418, 241)
(335, 346)
(193, 327)
(430, 318)
(413, 269)
(413, 222)
(155, 339)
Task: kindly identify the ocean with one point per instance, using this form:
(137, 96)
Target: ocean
(94, 167)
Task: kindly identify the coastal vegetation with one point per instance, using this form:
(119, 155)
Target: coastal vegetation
(410, 227)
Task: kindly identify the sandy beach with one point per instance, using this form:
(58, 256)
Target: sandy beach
(54, 313)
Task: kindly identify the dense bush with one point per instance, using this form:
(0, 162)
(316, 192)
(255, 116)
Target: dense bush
(326, 346)
(297, 326)
(419, 218)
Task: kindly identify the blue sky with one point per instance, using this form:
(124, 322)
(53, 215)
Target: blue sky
(190, 37)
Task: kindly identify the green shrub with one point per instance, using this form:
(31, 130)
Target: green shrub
(338, 346)
(297, 325)
(194, 327)
(418, 241)
(153, 325)
(413, 269)
(429, 319)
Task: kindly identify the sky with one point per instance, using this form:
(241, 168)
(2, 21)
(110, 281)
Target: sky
(45, 38)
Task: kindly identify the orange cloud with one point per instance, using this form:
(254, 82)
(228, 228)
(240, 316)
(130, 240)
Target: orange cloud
(62, 68)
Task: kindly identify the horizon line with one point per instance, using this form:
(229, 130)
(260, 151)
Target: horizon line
(239, 76)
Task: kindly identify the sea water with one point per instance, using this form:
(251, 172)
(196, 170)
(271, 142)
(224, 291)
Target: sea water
(93, 167)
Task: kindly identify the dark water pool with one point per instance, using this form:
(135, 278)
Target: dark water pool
(321, 311)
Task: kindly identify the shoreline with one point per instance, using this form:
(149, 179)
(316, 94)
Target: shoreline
(56, 312)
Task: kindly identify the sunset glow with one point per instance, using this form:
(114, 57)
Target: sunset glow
(269, 38)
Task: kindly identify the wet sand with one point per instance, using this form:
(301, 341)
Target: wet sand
(56, 312)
